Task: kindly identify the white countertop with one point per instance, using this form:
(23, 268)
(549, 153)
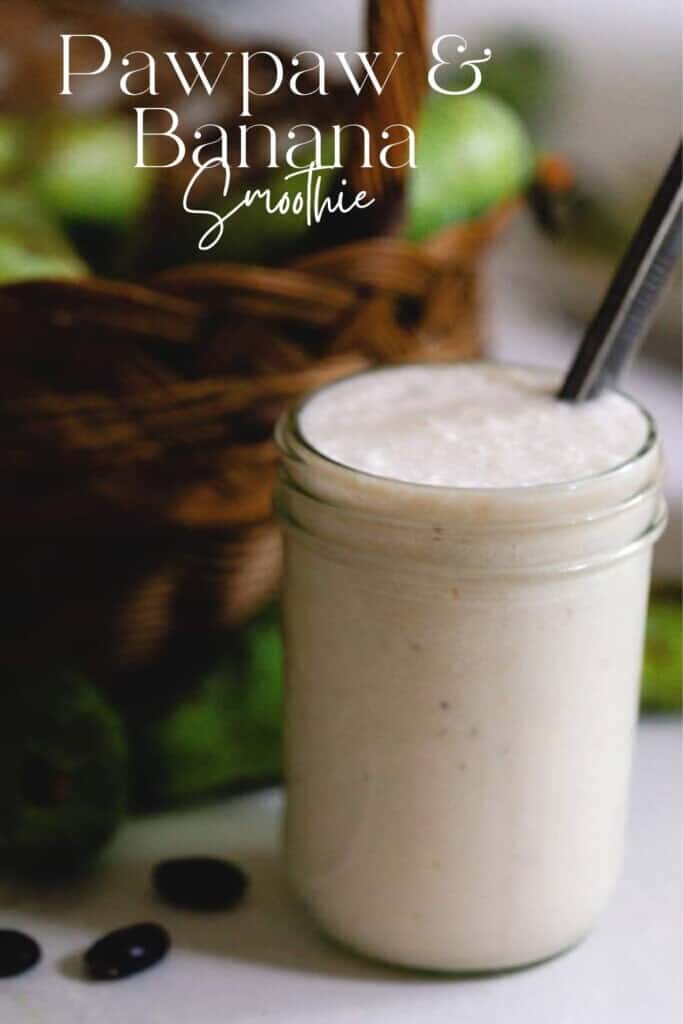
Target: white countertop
(265, 962)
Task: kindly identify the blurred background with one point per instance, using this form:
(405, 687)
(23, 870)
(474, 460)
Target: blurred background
(620, 82)
(599, 83)
(140, 384)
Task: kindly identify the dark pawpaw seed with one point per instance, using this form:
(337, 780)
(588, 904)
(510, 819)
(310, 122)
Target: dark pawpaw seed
(18, 952)
(200, 883)
(127, 951)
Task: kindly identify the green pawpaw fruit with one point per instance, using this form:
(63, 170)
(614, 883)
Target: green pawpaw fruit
(63, 773)
(31, 245)
(473, 152)
(226, 732)
(662, 684)
(85, 172)
(12, 146)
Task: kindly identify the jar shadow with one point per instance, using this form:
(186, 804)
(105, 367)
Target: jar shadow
(268, 928)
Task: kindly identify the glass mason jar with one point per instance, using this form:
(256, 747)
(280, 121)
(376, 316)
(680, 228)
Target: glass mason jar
(462, 680)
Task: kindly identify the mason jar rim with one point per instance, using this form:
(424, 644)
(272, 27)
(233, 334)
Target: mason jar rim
(289, 423)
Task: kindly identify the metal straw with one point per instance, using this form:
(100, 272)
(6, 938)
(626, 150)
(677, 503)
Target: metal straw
(618, 327)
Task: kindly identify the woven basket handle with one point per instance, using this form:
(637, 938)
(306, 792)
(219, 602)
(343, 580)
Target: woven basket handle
(392, 26)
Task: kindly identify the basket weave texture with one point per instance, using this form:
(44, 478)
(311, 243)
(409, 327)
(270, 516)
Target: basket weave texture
(137, 462)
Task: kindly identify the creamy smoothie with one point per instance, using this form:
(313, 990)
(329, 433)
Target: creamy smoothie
(466, 577)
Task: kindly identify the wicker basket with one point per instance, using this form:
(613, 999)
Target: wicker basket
(137, 462)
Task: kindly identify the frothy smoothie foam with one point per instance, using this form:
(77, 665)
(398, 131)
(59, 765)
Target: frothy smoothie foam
(463, 659)
(472, 425)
